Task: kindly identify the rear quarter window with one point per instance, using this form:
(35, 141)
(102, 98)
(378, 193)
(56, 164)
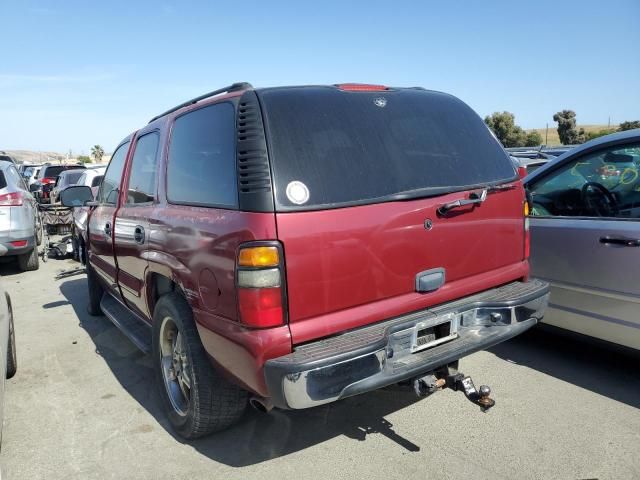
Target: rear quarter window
(3, 180)
(201, 168)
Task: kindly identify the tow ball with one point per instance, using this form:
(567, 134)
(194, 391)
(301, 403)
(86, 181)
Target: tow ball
(429, 384)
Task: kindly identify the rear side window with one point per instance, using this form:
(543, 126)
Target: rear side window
(109, 188)
(144, 166)
(96, 180)
(202, 164)
(13, 178)
(331, 148)
(3, 180)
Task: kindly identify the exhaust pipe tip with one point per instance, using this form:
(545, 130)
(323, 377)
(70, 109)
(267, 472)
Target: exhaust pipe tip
(262, 405)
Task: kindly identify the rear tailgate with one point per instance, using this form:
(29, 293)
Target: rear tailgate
(363, 261)
(359, 177)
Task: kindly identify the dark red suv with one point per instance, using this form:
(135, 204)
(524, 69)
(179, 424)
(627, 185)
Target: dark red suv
(299, 245)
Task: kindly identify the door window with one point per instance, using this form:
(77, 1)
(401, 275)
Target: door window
(605, 183)
(144, 167)
(108, 193)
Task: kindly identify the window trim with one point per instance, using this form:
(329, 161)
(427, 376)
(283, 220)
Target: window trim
(132, 153)
(122, 144)
(233, 102)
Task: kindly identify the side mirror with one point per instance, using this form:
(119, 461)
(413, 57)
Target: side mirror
(76, 196)
(34, 187)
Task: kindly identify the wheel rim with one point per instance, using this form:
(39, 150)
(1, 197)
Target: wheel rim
(175, 365)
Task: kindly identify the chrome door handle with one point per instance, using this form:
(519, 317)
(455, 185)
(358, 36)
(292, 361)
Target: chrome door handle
(138, 234)
(625, 242)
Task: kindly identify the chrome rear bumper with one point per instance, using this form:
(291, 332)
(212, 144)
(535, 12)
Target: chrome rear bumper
(402, 348)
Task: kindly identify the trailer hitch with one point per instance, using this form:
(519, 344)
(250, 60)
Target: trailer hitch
(480, 397)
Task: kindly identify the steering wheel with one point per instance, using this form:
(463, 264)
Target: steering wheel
(603, 203)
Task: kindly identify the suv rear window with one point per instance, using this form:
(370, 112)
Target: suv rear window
(351, 148)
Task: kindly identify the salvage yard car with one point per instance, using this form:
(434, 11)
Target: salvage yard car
(20, 229)
(295, 246)
(585, 237)
(8, 358)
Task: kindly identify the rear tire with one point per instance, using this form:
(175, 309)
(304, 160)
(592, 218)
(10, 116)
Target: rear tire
(210, 403)
(95, 293)
(29, 261)
(12, 359)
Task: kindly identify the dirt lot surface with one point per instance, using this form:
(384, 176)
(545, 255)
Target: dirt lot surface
(83, 405)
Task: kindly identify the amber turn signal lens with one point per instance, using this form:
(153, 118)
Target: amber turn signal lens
(526, 209)
(259, 257)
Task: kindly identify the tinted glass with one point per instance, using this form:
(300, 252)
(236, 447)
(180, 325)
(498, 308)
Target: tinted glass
(108, 192)
(348, 147)
(5, 158)
(96, 180)
(202, 164)
(605, 183)
(72, 178)
(52, 172)
(142, 181)
(3, 180)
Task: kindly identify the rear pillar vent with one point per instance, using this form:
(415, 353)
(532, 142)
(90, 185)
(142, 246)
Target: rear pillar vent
(254, 174)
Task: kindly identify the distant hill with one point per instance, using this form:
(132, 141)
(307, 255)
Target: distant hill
(554, 139)
(29, 156)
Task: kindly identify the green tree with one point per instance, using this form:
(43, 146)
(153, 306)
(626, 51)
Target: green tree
(629, 125)
(567, 131)
(97, 152)
(503, 125)
(533, 139)
(84, 159)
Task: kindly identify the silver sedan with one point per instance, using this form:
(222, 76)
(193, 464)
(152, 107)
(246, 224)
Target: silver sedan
(585, 237)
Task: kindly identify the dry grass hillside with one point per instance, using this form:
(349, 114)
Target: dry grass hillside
(553, 138)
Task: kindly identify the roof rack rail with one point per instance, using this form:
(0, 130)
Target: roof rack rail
(231, 88)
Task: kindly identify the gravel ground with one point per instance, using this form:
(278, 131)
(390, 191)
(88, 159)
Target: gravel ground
(84, 406)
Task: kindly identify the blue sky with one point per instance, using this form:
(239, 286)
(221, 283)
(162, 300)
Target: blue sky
(77, 73)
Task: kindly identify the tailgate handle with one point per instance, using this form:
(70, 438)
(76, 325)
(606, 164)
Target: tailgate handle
(474, 198)
(430, 280)
(625, 242)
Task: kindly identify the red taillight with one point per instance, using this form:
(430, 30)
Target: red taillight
(19, 243)
(48, 181)
(260, 307)
(13, 199)
(522, 172)
(361, 87)
(260, 279)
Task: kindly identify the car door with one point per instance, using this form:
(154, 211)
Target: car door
(100, 249)
(585, 240)
(132, 224)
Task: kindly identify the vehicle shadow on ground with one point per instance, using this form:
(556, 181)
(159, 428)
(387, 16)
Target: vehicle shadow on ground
(258, 437)
(604, 370)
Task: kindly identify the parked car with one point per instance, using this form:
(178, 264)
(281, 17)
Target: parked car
(65, 180)
(30, 174)
(20, 231)
(4, 157)
(46, 180)
(380, 238)
(23, 166)
(8, 358)
(585, 237)
(92, 177)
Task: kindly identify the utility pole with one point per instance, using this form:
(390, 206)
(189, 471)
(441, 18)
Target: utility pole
(609, 123)
(546, 135)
